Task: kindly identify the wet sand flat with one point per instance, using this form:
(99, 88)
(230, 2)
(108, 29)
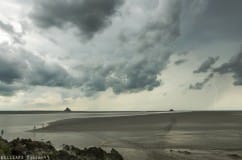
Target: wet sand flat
(184, 135)
(165, 121)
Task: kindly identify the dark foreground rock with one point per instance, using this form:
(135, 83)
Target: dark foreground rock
(28, 149)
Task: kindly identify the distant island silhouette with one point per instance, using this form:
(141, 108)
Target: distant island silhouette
(67, 109)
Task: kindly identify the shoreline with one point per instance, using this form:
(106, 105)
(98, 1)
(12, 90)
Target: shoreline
(173, 120)
(58, 111)
(94, 112)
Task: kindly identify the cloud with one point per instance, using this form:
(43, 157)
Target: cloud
(206, 21)
(161, 30)
(125, 77)
(134, 67)
(180, 61)
(29, 70)
(234, 67)
(6, 27)
(138, 76)
(21, 67)
(44, 73)
(148, 52)
(88, 16)
(206, 65)
(10, 70)
(8, 89)
(200, 85)
(10, 30)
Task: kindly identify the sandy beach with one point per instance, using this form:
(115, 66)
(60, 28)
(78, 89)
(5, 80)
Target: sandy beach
(181, 135)
(165, 121)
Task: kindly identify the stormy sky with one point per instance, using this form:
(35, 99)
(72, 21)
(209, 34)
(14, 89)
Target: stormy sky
(120, 54)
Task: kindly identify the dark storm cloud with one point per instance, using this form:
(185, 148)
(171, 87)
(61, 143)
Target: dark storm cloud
(140, 70)
(138, 76)
(8, 72)
(125, 77)
(43, 73)
(9, 69)
(89, 16)
(28, 70)
(7, 89)
(200, 85)
(218, 20)
(206, 65)
(146, 61)
(224, 17)
(158, 30)
(18, 66)
(234, 67)
(180, 61)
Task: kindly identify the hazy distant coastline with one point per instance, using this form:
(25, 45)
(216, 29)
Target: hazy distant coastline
(54, 112)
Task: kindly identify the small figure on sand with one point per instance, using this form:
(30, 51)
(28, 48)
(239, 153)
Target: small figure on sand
(34, 127)
(2, 132)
